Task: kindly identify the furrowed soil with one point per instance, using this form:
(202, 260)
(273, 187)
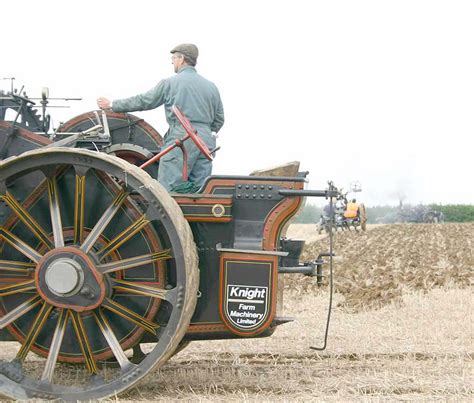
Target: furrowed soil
(401, 328)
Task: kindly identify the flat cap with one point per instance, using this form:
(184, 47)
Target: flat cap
(187, 49)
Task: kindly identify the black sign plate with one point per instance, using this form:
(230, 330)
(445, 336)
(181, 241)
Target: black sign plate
(246, 290)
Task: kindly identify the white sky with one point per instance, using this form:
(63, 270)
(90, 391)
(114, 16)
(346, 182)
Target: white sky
(380, 92)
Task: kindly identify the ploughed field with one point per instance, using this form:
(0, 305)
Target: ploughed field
(401, 328)
(376, 267)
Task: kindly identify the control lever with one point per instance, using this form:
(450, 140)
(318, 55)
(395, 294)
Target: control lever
(105, 122)
(71, 140)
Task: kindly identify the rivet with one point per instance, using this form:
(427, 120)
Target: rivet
(254, 195)
(239, 186)
(270, 187)
(247, 187)
(255, 186)
(262, 195)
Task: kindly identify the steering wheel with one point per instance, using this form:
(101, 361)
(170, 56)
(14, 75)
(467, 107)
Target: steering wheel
(192, 133)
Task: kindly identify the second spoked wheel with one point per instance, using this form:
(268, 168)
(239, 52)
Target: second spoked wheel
(95, 258)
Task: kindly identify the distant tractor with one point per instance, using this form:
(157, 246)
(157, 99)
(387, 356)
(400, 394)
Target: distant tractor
(344, 214)
(420, 214)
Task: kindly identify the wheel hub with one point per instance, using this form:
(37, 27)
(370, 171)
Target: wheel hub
(68, 278)
(64, 277)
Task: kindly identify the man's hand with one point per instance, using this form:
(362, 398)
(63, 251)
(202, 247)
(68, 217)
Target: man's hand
(104, 103)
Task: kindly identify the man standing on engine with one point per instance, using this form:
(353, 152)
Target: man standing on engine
(200, 102)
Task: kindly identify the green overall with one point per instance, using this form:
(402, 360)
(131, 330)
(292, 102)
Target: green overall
(200, 102)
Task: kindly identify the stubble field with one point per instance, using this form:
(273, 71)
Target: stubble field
(401, 328)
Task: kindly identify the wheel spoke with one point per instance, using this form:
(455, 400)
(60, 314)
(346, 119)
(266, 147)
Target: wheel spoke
(27, 219)
(141, 289)
(55, 212)
(83, 342)
(19, 245)
(17, 288)
(11, 265)
(79, 199)
(55, 346)
(123, 237)
(130, 315)
(20, 310)
(112, 340)
(133, 262)
(35, 329)
(33, 197)
(104, 221)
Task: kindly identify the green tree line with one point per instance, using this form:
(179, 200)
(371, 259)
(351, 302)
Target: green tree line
(455, 212)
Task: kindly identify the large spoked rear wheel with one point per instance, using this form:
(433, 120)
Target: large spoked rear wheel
(95, 258)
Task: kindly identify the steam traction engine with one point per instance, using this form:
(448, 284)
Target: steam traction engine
(102, 268)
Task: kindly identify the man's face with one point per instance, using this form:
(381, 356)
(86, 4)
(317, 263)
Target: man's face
(177, 60)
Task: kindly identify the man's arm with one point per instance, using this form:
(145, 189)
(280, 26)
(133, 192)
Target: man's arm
(219, 118)
(148, 100)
